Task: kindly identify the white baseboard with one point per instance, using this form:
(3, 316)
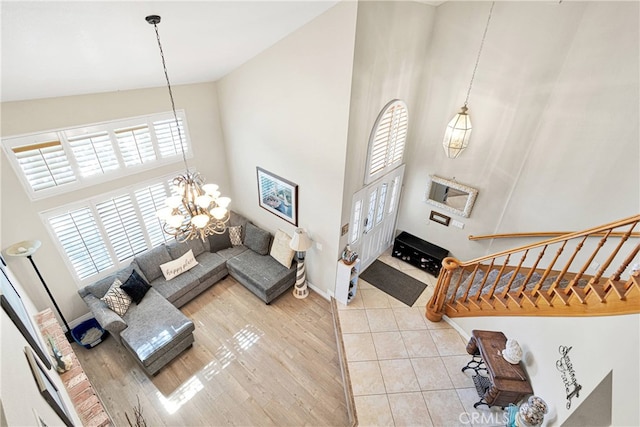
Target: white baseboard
(319, 291)
(455, 326)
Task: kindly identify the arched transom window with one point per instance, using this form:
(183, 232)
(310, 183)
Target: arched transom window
(387, 140)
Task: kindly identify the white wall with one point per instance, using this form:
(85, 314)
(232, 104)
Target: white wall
(599, 345)
(18, 390)
(555, 113)
(20, 218)
(390, 56)
(286, 110)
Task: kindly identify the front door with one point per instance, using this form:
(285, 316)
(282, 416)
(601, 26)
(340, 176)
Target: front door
(374, 211)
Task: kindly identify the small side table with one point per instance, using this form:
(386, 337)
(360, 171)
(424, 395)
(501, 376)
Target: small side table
(497, 381)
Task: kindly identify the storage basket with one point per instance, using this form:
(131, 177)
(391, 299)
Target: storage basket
(81, 330)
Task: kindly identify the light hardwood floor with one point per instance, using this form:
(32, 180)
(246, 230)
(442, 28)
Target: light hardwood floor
(252, 364)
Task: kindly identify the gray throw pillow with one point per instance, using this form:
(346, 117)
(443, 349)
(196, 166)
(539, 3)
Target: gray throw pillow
(218, 242)
(257, 239)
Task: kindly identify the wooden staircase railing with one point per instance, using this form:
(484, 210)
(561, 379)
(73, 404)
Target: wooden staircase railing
(537, 280)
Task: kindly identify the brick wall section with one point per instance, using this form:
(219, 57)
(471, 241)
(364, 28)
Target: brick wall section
(85, 400)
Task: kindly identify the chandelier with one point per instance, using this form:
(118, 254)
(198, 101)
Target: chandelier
(197, 210)
(456, 137)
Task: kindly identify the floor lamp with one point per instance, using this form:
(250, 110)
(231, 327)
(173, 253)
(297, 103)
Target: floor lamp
(300, 243)
(26, 249)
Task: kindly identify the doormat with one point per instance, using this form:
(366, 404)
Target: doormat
(393, 282)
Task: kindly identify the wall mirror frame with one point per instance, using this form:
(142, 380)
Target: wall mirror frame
(451, 196)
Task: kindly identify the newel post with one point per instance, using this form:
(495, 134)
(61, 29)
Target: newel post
(436, 303)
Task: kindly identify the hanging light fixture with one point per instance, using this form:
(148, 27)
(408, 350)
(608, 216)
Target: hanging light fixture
(197, 210)
(456, 137)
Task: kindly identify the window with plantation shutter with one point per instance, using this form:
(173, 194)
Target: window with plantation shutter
(387, 140)
(44, 165)
(94, 154)
(79, 236)
(168, 136)
(102, 234)
(64, 160)
(120, 222)
(136, 145)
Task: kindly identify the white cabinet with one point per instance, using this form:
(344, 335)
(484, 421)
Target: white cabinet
(347, 281)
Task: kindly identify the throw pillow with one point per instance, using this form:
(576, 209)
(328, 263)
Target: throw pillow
(117, 299)
(136, 287)
(235, 234)
(280, 249)
(218, 242)
(257, 239)
(178, 266)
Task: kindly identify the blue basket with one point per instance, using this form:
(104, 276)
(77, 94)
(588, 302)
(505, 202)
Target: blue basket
(79, 331)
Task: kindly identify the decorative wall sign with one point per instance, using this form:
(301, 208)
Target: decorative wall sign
(564, 365)
(278, 196)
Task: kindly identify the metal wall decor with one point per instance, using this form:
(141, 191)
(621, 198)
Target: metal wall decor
(564, 365)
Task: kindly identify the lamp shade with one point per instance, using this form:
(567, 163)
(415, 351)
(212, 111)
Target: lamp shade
(300, 241)
(24, 248)
(456, 137)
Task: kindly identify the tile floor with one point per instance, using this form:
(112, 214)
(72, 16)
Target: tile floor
(404, 369)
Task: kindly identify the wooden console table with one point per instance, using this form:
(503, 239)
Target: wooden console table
(497, 381)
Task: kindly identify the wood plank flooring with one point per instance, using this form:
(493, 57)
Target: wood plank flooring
(252, 364)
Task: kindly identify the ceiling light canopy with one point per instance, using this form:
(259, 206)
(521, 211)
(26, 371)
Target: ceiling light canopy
(196, 210)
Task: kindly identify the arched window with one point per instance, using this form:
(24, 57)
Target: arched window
(387, 140)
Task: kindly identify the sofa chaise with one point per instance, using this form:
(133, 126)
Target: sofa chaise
(151, 327)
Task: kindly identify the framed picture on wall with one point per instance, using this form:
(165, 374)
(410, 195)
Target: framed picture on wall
(14, 307)
(278, 196)
(47, 388)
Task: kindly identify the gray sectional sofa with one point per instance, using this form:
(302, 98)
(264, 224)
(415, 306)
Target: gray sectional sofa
(155, 331)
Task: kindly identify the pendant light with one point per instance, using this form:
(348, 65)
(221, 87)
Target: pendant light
(456, 137)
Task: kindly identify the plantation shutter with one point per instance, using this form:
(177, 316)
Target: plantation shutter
(135, 144)
(387, 141)
(81, 240)
(149, 200)
(44, 165)
(121, 224)
(168, 137)
(94, 154)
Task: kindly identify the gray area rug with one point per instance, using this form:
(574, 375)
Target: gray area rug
(393, 282)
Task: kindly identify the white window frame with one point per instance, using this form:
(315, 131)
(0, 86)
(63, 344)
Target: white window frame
(111, 127)
(91, 204)
(387, 144)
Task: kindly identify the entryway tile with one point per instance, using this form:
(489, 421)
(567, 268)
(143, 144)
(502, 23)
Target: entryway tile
(454, 365)
(481, 416)
(409, 319)
(375, 298)
(399, 376)
(381, 320)
(359, 347)
(431, 373)
(445, 408)
(354, 321)
(448, 342)
(366, 378)
(419, 344)
(409, 409)
(373, 410)
(389, 345)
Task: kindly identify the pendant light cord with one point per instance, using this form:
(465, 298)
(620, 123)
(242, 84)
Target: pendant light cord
(173, 105)
(473, 75)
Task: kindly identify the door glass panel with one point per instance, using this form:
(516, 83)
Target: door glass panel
(355, 221)
(394, 194)
(368, 225)
(381, 200)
